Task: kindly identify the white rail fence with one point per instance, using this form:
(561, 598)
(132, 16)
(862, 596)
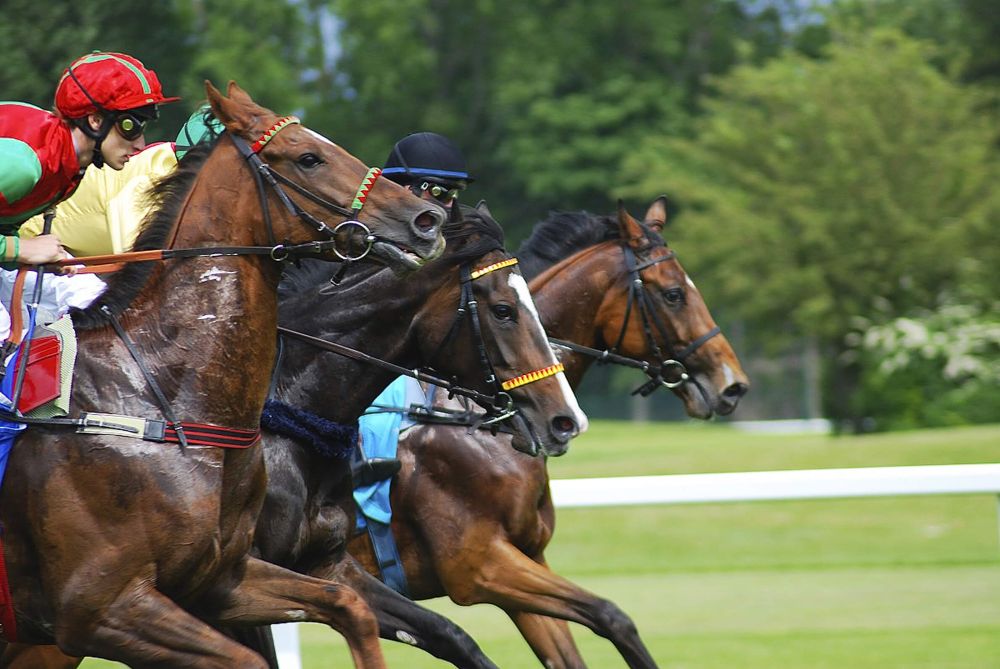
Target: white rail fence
(743, 487)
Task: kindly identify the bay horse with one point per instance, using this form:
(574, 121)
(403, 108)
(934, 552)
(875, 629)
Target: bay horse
(472, 517)
(132, 549)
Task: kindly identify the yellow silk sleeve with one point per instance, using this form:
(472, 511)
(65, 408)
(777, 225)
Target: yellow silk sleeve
(105, 213)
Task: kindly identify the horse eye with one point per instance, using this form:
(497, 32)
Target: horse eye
(674, 295)
(503, 311)
(309, 160)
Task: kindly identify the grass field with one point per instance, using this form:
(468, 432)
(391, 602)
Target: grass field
(902, 582)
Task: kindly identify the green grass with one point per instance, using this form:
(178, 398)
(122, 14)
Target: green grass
(898, 582)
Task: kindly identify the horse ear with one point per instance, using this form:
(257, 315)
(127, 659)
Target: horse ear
(628, 227)
(236, 93)
(483, 209)
(231, 111)
(661, 212)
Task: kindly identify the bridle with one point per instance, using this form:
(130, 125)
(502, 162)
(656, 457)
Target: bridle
(264, 173)
(469, 306)
(669, 372)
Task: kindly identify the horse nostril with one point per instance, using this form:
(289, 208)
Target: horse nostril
(736, 391)
(564, 426)
(428, 220)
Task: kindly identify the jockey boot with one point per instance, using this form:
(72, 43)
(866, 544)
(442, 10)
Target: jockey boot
(366, 471)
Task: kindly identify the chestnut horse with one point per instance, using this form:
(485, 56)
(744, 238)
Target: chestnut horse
(471, 517)
(132, 549)
(308, 515)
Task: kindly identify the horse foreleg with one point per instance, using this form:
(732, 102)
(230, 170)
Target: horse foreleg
(142, 627)
(401, 619)
(550, 639)
(21, 656)
(507, 578)
(267, 594)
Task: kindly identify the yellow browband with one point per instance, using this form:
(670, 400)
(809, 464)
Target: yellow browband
(476, 273)
(531, 377)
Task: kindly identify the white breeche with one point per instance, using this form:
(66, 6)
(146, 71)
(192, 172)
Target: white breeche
(59, 295)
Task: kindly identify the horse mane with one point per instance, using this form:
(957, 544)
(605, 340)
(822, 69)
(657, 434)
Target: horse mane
(167, 196)
(561, 235)
(565, 233)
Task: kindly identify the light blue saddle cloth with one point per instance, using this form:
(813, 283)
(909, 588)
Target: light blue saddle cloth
(379, 429)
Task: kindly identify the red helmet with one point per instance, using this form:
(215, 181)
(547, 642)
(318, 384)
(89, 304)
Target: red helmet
(103, 81)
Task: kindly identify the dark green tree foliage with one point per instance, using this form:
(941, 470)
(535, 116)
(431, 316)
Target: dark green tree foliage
(546, 98)
(825, 192)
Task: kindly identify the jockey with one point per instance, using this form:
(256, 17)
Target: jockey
(433, 167)
(103, 216)
(103, 103)
(430, 165)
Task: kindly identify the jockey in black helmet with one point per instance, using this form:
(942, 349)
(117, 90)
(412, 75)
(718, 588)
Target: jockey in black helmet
(433, 168)
(430, 165)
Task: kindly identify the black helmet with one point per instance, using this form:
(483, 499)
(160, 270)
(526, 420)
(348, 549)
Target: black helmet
(426, 155)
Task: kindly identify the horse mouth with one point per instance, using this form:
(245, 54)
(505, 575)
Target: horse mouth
(397, 257)
(403, 259)
(697, 402)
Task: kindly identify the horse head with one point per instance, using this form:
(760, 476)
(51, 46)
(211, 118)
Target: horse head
(497, 332)
(656, 314)
(313, 179)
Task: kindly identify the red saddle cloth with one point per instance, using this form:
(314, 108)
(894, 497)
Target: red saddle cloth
(42, 381)
(8, 628)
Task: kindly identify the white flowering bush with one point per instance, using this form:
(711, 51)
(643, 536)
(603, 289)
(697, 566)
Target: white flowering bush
(941, 367)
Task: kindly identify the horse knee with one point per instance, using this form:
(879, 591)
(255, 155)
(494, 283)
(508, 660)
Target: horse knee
(616, 622)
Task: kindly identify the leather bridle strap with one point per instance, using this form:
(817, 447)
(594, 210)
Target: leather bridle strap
(650, 319)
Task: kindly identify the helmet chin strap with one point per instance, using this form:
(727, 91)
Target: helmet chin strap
(98, 135)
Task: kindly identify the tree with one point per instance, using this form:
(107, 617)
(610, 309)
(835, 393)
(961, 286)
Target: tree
(820, 188)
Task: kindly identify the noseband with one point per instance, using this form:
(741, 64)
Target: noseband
(669, 372)
(262, 172)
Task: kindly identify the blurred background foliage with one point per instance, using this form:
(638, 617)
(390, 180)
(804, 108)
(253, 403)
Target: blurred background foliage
(834, 160)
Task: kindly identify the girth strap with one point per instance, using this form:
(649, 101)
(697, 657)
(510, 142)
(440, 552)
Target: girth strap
(390, 565)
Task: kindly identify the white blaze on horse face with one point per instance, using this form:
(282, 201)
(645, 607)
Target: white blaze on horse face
(318, 136)
(520, 287)
(690, 282)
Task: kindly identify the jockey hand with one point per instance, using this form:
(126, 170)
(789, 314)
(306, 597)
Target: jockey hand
(43, 249)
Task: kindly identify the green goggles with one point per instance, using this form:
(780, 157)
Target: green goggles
(443, 194)
(130, 126)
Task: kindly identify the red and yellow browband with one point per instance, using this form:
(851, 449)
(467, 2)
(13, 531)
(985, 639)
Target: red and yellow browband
(476, 273)
(531, 377)
(269, 134)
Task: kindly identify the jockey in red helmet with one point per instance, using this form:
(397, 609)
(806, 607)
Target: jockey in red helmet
(102, 102)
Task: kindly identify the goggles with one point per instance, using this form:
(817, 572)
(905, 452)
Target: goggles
(442, 194)
(130, 126)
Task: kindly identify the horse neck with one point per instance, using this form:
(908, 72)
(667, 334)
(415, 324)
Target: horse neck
(377, 316)
(213, 315)
(569, 296)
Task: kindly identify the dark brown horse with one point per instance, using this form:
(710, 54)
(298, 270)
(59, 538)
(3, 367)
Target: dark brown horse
(127, 549)
(471, 517)
(309, 513)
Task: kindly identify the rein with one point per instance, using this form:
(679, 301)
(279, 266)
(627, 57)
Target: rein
(668, 367)
(203, 434)
(502, 401)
